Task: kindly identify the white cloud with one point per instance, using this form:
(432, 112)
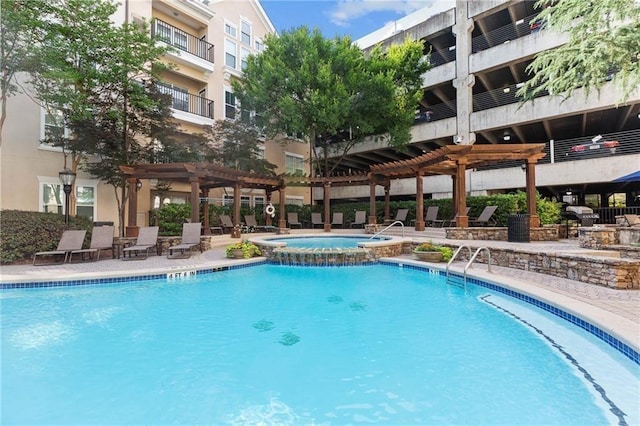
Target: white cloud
(346, 11)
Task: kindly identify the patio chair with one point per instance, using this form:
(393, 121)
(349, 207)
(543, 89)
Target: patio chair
(252, 224)
(70, 241)
(430, 216)
(190, 239)
(316, 220)
(101, 239)
(226, 223)
(292, 218)
(337, 219)
(361, 219)
(147, 239)
(485, 217)
(452, 221)
(401, 215)
(632, 219)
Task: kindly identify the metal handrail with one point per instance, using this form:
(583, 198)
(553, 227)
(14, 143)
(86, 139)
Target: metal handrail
(455, 254)
(470, 262)
(393, 223)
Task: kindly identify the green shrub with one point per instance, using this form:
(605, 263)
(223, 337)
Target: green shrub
(25, 233)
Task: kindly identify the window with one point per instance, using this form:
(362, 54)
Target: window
(230, 30)
(227, 200)
(230, 53)
(52, 197)
(259, 202)
(245, 33)
(244, 54)
(245, 201)
(52, 127)
(294, 201)
(294, 163)
(229, 105)
(259, 45)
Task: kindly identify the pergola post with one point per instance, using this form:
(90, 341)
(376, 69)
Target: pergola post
(282, 221)
(132, 218)
(327, 206)
(462, 220)
(372, 203)
(532, 204)
(205, 211)
(236, 204)
(195, 199)
(387, 200)
(419, 202)
(268, 220)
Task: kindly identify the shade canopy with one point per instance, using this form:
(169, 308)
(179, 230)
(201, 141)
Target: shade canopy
(631, 177)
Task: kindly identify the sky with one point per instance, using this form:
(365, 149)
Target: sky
(354, 18)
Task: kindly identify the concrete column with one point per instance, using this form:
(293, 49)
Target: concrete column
(464, 81)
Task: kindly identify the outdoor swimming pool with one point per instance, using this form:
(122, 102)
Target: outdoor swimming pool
(285, 345)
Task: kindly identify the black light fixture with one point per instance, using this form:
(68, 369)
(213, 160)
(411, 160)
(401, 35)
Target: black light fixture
(138, 184)
(67, 177)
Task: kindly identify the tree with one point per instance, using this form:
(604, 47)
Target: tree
(21, 29)
(604, 45)
(328, 91)
(100, 78)
(235, 144)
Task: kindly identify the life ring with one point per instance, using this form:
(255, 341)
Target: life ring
(270, 210)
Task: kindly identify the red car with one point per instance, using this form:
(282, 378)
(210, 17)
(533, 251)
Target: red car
(596, 148)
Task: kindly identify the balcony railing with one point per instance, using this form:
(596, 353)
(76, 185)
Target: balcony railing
(504, 34)
(182, 40)
(184, 101)
(436, 112)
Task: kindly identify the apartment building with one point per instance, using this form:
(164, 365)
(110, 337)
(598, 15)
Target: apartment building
(212, 41)
(480, 51)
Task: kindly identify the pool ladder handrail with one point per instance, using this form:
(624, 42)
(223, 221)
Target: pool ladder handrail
(472, 257)
(389, 226)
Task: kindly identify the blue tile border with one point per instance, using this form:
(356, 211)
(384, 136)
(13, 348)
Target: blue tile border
(621, 347)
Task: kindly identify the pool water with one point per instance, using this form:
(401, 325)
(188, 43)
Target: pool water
(324, 242)
(290, 345)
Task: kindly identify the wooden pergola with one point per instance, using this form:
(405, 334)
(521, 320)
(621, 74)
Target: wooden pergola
(201, 177)
(452, 160)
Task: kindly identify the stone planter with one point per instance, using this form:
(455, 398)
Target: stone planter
(428, 256)
(237, 254)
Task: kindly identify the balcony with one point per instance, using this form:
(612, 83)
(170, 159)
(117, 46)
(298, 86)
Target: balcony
(187, 107)
(190, 50)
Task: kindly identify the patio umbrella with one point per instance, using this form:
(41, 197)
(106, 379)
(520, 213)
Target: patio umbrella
(631, 177)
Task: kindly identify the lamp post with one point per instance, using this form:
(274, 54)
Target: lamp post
(67, 177)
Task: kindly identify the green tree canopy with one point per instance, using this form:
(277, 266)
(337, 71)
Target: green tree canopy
(329, 91)
(604, 45)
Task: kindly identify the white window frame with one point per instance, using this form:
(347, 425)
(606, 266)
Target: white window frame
(43, 127)
(48, 180)
(226, 105)
(244, 54)
(245, 200)
(296, 156)
(259, 201)
(231, 30)
(245, 38)
(259, 45)
(227, 200)
(230, 50)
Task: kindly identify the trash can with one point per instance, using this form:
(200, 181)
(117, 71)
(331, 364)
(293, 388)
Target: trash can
(518, 228)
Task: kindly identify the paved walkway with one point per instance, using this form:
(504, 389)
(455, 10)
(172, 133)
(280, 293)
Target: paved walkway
(617, 311)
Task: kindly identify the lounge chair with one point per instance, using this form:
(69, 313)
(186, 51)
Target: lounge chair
(452, 221)
(632, 219)
(430, 217)
(147, 240)
(294, 222)
(337, 219)
(485, 217)
(316, 220)
(401, 215)
(101, 239)
(190, 239)
(70, 241)
(226, 223)
(361, 219)
(252, 224)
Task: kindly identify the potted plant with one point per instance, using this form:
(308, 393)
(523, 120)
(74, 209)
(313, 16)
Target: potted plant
(432, 252)
(242, 249)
